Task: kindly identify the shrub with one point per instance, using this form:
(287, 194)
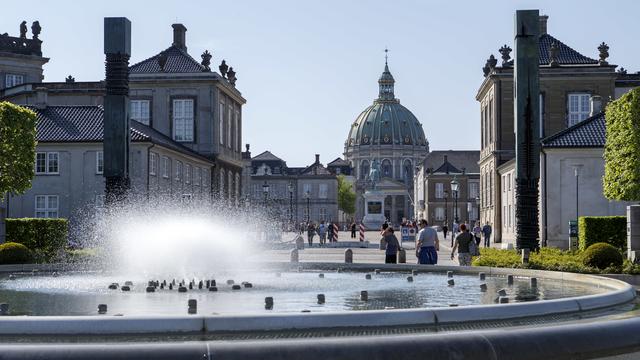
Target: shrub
(608, 229)
(14, 253)
(45, 237)
(601, 256)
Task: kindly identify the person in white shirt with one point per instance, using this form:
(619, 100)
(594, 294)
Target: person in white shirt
(427, 244)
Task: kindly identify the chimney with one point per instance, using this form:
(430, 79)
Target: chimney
(41, 98)
(179, 37)
(317, 159)
(445, 159)
(595, 104)
(543, 24)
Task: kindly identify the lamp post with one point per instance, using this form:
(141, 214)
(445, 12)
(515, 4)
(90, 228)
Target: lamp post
(576, 172)
(290, 187)
(307, 195)
(478, 206)
(454, 190)
(265, 191)
(446, 206)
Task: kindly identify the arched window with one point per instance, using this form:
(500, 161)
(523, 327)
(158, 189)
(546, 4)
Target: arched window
(407, 171)
(364, 170)
(387, 168)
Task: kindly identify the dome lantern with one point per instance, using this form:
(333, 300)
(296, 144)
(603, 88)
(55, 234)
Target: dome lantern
(386, 82)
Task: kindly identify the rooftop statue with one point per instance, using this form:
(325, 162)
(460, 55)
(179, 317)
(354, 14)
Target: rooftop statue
(23, 30)
(36, 29)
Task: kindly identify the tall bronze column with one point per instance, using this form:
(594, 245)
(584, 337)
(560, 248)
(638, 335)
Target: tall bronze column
(117, 48)
(527, 127)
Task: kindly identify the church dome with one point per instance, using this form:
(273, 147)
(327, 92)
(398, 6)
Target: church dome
(386, 122)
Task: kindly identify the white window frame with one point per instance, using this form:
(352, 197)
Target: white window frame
(307, 188)
(238, 138)
(153, 163)
(323, 191)
(578, 107)
(183, 120)
(140, 111)
(11, 80)
(178, 171)
(322, 214)
(41, 163)
(439, 190)
(51, 163)
(166, 167)
(474, 190)
(439, 214)
(47, 210)
(99, 201)
(187, 173)
(221, 122)
(229, 116)
(197, 176)
(100, 162)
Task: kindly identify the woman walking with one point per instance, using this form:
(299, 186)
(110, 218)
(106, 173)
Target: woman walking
(311, 232)
(462, 245)
(392, 246)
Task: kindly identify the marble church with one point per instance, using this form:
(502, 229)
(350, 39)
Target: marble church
(388, 134)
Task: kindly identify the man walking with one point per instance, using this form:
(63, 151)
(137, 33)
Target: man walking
(427, 244)
(486, 231)
(322, 232)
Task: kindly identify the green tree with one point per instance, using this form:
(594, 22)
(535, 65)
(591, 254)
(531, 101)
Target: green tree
(17, 152)
(346, 196)
(621, 179)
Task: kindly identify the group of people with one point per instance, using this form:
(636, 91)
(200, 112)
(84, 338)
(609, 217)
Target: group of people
(323, 230)
(478, 232)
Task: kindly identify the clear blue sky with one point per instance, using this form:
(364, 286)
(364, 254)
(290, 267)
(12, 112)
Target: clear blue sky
(308, 68)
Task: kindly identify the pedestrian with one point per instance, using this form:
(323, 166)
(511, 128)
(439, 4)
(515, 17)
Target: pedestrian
(445, 229)
(353, 230)
(330, 231)
(477, 231)
(322, 233)
(462, 245)
(311, 232)
(391, 246)
(486, 231)
(427, 244)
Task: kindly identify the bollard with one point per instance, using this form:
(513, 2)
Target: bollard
(12, 277)
(170, 286)
(4, 309)
(364, 295)
(453, 305)
(193, 306)
(208, 283)
(128, 283)
(151, 289)
(200, 284)
(410, 278)
(161, 286)
(449, 274)
(450, 282)
(377, 271)
(533, 282)
(482, 276)
(236, 287)
(113, 286)
(503, 300)
(402, 256)
(190, 286)
(321, 276)
(182, 289)
(213, 288)
(368, 276)
(414, 272)
(510, 279)
(321, 299)
(248, 285)
(268, 303)
(502, 292)
(348, 256)
(102, 309)
(293, 256)
(230, 282)
(125, 288)
(339, 270)
(213, 283)
(483, 287)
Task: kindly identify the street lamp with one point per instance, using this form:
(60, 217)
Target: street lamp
(265, 191)
(576, 172)
(446, 206)
(290, 188)
(307, 195)
(478, 205)
(454, 189)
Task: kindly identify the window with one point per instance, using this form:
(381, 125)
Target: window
(578, 108)
(99, 201)
(221, 123)
(187, 174)
(238, 136)
(99, 162)
(221, 184)
(473, 190)
(439, 213)
(183, 119)
(439, 190)
(47, 163)
(364, 170)
(140, 111)
(178, 170)
(323, 190)
(153, 163)
(166, 166)
(46, 206)
(387, 170)
(196, 176)
(306, 189)
(323, 214)
(228, 123)
(13, 80)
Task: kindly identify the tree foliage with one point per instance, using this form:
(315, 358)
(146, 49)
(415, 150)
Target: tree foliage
(17, 148)
(622, 149)
(346, 196)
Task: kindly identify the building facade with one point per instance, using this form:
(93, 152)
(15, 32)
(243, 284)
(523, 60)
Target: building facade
(293, 194)
(435, 199)
(389, 134)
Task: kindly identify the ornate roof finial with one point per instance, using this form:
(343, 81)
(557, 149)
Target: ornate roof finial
(206, 60)
(70, 79)
(386, 81)
(622, 71)
(505, 51)
(386, 55)
(604, 54)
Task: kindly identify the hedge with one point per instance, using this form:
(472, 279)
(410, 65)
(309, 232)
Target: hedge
(46, 238)
(601, 256)
(608, 229)
(621, 179)
(14, 253)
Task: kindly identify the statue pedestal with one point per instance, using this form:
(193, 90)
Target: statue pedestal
(373, 210)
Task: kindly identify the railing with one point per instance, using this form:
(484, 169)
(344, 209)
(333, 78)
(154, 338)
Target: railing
(20, 45)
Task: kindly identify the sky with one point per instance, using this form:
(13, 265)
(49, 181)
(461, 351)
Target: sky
(309, 68)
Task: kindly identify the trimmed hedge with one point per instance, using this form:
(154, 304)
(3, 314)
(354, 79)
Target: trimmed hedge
(14, 253)
(601, 256)
(47, 238)
(602, 229)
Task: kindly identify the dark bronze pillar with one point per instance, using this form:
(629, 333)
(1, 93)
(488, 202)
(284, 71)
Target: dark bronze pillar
(526, 115)
(117, 48)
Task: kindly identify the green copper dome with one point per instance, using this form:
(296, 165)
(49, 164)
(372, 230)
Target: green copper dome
(386, 122)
